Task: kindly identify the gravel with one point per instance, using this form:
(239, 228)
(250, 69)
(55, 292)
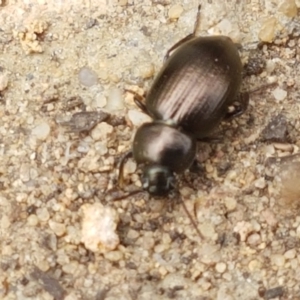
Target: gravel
(68, 71)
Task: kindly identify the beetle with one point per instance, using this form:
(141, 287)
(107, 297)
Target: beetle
(197, 87)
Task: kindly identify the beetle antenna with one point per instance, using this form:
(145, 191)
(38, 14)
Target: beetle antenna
(190, 217)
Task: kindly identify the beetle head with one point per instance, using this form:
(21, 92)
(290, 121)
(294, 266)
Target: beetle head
(158, 180)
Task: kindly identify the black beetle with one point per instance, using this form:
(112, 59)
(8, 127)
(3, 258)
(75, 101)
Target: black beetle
(195, 90)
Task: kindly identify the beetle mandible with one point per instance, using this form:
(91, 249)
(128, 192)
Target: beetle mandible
(198, 83)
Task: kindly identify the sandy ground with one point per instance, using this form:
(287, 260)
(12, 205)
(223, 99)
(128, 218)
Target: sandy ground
(60, 238)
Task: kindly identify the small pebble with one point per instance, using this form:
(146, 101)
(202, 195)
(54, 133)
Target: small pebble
(43, 214)
(221, 267)
(147, 242)
(298, 231)
(173, 280)
(98, 232)
(269, 217)
(159, 248)
(32, 220)
(275, 131)
(145, 70)
(58, 228)
(269, 150)
(5, 222)
(87, 77)
(3, 82)
(288, 178)
(101, 148)
(122, 2)
(279, 94)
(101, 131)
(249, 177)
(294, 263)
(114, 255)
(267, 31)
(209, 168)
(163, 271)
(70, 268)
(274, 293)
(205, 285)
(207, 230)
(72, 296)
(137, 117)
(209, 253)
(83, 147)
(224, 294)
(43, 265)
(270, 66)
(71, 194)
(283, 147)
(90, 163)
(41, 131)
(24, 172)
(278, 260)
(254, 265)
(130, 167)
(132, 234)
(290, 254)
(100, 101)
(52, 241)
(231, 175)
(260, 183)
(175, 11)
(253, 239)
(230, 203)
(243, 228)
(115, 100)
(289, 8)
(88, 283)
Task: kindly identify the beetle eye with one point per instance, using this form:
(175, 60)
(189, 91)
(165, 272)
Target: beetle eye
(158, 180)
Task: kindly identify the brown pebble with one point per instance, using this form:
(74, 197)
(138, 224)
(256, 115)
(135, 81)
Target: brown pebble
(274, 293)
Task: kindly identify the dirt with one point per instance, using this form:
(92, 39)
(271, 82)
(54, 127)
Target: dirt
(61, 59)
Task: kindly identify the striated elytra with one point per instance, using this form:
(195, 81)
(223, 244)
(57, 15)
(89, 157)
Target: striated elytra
(197, 84)
(190, 96)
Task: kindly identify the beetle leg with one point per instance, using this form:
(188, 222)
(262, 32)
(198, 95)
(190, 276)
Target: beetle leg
(241, 103)
(187, 38)
(196, 167)
(194, 224)
(239, 46)
(211, 139)
(182, 41)
(239, 106)
(141, 105)
(121, 168)
(262, 88)
(139, 101)
(118, 195)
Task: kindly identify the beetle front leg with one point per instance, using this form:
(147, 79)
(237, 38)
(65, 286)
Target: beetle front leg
(128, 155)
(139, 101)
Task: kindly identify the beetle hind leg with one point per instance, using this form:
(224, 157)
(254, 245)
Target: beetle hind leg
(239, 106)
(242, 101)
(187, 38)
